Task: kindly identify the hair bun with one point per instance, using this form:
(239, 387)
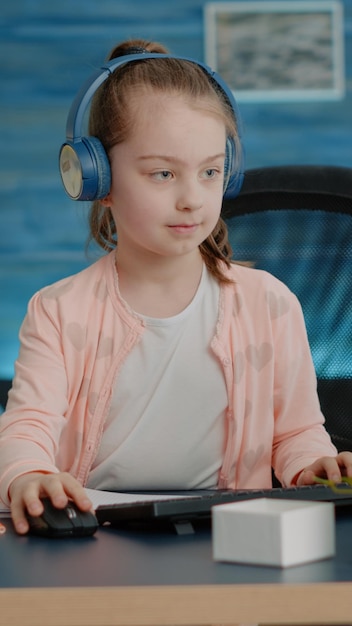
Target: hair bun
(131, 50)
(136, 46)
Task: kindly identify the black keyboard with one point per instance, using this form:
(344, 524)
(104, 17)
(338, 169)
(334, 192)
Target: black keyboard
(197, 505)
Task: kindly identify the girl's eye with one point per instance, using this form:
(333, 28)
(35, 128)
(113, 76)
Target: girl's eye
(162, 175)
(211, 172)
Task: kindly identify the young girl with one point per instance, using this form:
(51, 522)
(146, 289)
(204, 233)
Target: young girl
(163, 365)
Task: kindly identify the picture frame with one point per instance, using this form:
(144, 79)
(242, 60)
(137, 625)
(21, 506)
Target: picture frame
(277, 51)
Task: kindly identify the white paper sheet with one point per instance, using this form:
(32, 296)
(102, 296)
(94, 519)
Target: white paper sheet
(110, 497)
(117, 497)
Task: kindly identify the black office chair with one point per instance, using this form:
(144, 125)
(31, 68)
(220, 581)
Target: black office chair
(4, 388)
(296, 222)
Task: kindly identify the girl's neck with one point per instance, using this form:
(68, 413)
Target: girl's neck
(160, 289)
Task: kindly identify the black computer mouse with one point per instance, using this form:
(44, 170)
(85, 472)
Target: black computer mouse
(67, 522)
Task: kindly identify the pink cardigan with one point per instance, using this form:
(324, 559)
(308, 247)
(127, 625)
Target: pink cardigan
(74, 340)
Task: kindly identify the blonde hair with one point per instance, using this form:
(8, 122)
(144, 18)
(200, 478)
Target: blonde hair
(112, 119)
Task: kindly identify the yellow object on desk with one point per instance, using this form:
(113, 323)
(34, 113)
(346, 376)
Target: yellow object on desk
(336, 486)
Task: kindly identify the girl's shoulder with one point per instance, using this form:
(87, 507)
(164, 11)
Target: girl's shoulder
(259, 295)
(95, 271)
(78, 290)
(249, 279)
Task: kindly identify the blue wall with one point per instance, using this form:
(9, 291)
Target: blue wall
(47, 48)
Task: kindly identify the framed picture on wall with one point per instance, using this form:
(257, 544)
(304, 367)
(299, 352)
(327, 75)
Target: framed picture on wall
(272, 51)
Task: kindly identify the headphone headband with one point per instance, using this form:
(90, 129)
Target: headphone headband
(84, 165)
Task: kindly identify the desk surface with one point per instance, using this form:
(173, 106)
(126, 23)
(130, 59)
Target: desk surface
(130, 577)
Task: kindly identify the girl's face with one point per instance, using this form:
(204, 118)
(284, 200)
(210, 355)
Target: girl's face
(167, 179)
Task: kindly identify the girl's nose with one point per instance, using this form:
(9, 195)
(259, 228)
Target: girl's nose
(190, 197)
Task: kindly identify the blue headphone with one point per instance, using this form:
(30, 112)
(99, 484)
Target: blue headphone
(84, 164)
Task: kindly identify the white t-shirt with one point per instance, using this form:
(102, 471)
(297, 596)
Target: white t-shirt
(165, 429)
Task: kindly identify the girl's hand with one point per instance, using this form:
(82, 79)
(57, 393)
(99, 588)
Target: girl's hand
(27, 490)
(330, 467)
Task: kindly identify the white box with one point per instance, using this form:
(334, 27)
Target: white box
(277, 532)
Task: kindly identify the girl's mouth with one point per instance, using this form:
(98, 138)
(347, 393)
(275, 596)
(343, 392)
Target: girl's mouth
(183, 228)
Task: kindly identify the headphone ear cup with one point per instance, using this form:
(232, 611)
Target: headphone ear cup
(85, 169)
(233, 172)
(102, 164)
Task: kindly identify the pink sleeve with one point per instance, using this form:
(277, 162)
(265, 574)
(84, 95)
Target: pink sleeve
(299, 435)
(38, 401)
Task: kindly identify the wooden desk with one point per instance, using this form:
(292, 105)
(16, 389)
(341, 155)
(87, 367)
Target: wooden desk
(124, 577)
